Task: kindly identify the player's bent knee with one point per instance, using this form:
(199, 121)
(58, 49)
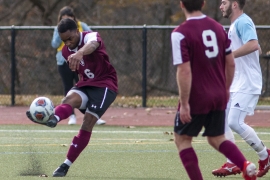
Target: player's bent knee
(237, 126)
(73, 99)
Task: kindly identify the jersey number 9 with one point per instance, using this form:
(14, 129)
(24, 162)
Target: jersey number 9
(210, 43)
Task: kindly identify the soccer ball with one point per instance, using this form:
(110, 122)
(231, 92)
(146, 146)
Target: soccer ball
(41, 109)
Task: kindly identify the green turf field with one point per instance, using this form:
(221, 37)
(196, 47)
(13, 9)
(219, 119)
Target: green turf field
(114, 153)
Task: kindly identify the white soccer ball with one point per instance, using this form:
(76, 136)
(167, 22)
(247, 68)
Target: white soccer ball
(41, 109)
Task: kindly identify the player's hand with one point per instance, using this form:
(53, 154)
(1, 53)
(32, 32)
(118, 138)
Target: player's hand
(74, 60)
(184, 111)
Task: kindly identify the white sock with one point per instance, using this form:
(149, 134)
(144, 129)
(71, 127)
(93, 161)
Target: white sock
(57, 117)
(251, 137)
(229, 136)
(263, 154)
(68, 162)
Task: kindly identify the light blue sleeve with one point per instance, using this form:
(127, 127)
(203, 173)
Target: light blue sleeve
(56, 40)
(85, 27)
(246, 30)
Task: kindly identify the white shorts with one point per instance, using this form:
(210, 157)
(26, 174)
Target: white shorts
(243, 102)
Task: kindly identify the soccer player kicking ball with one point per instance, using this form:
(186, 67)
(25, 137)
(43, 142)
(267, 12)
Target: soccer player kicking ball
(92, 95)
(246, 86)
(205, 70)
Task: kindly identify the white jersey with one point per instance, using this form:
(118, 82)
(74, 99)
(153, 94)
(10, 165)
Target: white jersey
(248, 75)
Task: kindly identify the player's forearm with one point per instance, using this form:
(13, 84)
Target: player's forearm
(246, 49)
(88, 48)
(184, 84)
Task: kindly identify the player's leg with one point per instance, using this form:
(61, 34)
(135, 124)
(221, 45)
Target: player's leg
(78, 144)
(99, 100)
(214, 130)
(229, 167)
(188, 156)
(228, 132)
(226, 147)
(237, 123)
(74, 99)
(183, 134)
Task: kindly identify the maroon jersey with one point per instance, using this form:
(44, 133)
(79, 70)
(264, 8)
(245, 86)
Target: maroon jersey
(95, 69)
(204, 43)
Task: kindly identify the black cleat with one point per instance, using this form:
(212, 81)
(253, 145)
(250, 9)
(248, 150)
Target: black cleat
(61, 171)
(52, 122)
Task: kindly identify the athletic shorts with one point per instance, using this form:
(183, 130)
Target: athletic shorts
(243, 102)
(95, 100)
(213, 123)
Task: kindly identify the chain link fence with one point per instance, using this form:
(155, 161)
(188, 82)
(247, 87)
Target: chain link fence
(141, 56)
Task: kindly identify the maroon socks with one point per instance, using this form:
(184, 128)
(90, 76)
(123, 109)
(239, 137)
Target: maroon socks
(190, 162)
(63, 111)
(78, 144)
(231, 151)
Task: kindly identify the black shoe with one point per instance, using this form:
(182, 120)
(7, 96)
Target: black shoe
(61, 171)
(52, 122)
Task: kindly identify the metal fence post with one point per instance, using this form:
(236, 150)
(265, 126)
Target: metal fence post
(144, 66)
(13, 65)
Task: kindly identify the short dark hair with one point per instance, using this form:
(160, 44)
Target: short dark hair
(66, 10)
(241, 3)
(66, 24)
(193, 5)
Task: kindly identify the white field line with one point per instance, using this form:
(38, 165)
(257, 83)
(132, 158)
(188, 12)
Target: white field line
(115, 151)
(75, 131)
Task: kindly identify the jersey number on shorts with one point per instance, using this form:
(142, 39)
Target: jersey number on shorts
(210, 42)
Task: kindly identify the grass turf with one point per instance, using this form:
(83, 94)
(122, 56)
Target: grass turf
(114, 153)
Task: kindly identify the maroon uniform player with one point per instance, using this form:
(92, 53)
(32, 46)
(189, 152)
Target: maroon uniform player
(95, 91)
(205, 69)
(95, 68)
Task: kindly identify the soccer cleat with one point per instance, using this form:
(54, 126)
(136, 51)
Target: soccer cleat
(52, 122)
(61, 171)
(249, 171)
(100, 122)
(264, 165)
(72, 119)
(226, 170)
